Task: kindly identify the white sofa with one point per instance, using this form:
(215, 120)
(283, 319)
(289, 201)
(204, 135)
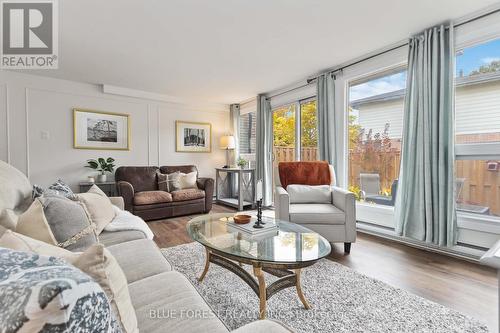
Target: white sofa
(335, 220)
(155, 288)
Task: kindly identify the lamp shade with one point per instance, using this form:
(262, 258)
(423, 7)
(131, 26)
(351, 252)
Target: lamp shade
(227, 142)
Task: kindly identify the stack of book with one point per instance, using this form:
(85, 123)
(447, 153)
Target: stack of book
(247, 230)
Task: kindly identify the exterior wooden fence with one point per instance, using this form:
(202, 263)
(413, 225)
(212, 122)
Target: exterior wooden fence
(481, 186)
(287, 154)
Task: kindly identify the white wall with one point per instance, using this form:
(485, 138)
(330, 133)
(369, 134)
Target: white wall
(30, 105)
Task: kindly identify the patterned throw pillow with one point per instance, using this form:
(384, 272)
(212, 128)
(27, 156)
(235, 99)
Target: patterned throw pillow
(58, 188)
(37, 191)
(162, 182)
(45, 294)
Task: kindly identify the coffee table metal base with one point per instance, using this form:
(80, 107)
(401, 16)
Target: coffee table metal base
(287, 277)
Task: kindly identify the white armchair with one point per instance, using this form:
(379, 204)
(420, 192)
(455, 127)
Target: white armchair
(327, 210)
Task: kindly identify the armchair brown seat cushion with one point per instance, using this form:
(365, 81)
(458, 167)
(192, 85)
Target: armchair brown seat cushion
(152, 197)
(187, 194)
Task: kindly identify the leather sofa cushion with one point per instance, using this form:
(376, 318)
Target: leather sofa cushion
(152, 197)
(316, 214)
(188, 194)
(171, 292)
(139, 259)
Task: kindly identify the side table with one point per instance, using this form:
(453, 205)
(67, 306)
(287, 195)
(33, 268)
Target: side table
(235, 187)
(107, 187)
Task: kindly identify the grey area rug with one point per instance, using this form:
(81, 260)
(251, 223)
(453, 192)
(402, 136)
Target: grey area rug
(342, 300)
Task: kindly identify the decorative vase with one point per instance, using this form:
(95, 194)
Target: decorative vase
(91, 179)
(101, 178)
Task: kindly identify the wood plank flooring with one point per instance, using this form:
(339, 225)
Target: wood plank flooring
(466, 287)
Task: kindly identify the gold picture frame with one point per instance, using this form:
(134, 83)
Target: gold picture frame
(193, 137)
(87, 135)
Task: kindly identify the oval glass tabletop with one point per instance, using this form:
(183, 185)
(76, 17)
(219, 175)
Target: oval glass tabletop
(291, 243)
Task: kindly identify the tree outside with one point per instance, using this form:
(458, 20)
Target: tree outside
(492, 67)
(284, 125)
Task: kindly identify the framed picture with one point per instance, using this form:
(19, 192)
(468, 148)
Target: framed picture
(193, 137)
(101, 130)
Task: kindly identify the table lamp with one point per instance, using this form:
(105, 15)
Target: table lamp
(227, 142)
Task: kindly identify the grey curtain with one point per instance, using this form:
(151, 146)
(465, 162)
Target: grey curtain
(325, 89)
(425, 203)
(234, 123)
(264, 149)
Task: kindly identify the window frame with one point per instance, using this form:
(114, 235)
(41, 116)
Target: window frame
(475, 151)
(371, 213)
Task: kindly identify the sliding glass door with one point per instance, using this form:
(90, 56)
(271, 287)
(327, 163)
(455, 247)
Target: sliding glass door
(285, 133)
(295, 132)
(308, 131)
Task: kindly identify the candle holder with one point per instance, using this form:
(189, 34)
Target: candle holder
(259, 224)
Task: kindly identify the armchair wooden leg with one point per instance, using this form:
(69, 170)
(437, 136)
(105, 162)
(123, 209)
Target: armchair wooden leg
(347, 248)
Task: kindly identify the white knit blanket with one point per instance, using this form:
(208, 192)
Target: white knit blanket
(124, 220)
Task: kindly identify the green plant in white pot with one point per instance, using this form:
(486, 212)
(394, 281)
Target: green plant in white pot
(242, 162)
(102, 165)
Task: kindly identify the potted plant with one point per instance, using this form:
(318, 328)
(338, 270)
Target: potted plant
(242, 162)
(102, 165)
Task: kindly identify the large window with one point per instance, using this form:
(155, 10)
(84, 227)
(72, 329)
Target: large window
(375, 124)
(477, 117)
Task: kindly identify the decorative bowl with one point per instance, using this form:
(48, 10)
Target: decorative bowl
(242, 219)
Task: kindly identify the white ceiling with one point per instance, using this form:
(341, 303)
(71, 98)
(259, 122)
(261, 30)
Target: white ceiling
(225, 51)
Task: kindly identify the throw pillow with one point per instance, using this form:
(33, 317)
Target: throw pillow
(96, 261)
(57, 188)
(187, 180)
(37, 191)
(173, 181)
(99, 207)
(59, 221)
(162, 182)
(45, 294)
(309, 193)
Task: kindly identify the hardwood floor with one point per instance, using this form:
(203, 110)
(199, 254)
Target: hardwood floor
(464, 286)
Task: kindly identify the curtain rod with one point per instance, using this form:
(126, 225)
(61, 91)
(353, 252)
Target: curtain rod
(311, 80)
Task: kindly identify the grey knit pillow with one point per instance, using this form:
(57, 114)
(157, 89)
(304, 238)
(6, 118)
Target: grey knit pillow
(69, 222)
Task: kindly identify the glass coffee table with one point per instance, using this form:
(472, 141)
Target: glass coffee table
(282, 254)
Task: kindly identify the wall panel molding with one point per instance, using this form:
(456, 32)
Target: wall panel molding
(26, 113)
(7, 121)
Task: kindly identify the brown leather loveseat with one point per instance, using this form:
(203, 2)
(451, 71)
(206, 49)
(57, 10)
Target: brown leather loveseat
(139, 188)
